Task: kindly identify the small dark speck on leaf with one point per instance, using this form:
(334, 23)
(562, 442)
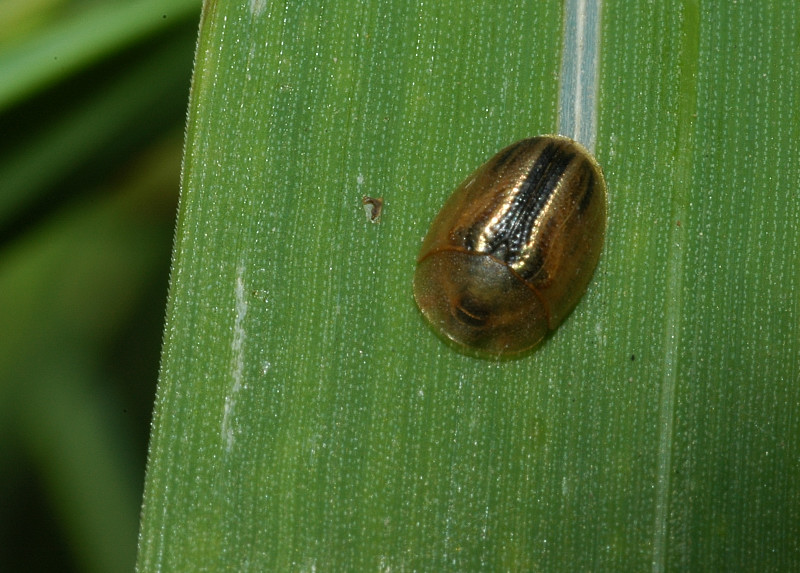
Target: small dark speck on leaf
(373, 207)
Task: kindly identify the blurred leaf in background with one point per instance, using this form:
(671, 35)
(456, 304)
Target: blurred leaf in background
(92, 107)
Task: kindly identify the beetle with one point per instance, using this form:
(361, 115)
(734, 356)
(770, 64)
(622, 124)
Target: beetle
(514, 247)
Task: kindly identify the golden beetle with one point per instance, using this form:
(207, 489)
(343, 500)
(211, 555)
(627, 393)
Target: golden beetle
(513, 249)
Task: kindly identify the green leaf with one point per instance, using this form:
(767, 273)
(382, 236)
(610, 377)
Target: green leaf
(65, 45)
(66, 288)
(88, 92)
(308, 418)
(113, 117)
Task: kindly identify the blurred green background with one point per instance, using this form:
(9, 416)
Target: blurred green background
(93, 101)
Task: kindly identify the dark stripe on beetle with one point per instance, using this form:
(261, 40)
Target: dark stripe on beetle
(505, 158)
(513, 231)
(588, 189)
